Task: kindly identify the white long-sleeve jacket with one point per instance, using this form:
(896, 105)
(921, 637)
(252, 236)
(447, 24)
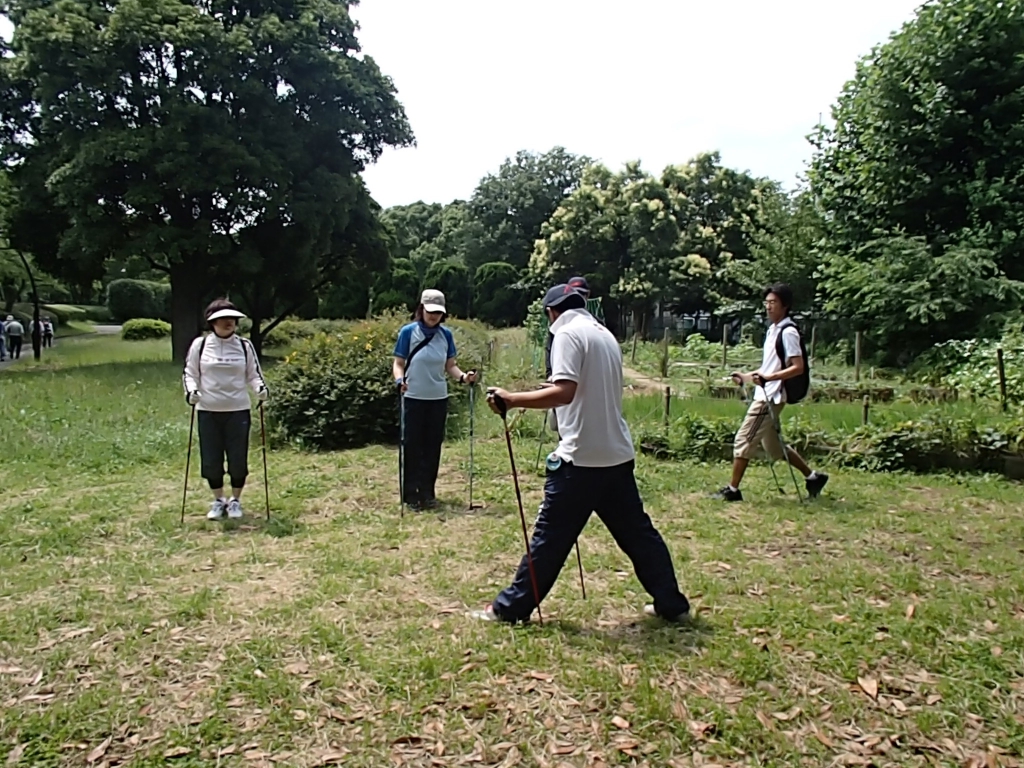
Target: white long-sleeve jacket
(220, 370)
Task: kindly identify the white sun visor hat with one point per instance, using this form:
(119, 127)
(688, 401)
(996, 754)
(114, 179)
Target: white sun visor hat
(225, 313)
(433, 301)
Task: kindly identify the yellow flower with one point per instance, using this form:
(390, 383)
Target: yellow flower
(369, 347)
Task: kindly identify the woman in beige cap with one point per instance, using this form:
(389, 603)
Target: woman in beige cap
(424, 353)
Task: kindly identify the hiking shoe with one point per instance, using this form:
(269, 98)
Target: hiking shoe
(816, 484)
(649, 610)
(217, 510)
(728, 494)
(235, 510)
(488, 614)
(431, 504)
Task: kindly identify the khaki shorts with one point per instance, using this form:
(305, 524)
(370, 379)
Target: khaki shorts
(758, 430)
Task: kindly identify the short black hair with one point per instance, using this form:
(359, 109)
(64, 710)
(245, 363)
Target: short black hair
(784, 293)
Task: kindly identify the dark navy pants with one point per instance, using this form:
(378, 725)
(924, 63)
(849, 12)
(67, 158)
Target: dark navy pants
(570, 495)
(424, 434)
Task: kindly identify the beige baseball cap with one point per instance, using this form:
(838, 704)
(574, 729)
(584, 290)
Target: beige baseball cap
(432, 301)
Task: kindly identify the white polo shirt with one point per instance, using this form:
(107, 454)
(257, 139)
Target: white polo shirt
(591, 428)
(770, 362)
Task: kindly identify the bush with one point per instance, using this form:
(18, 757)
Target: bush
(129, 299)
(930, 443)
(291, 331)
(140, 329)
(96, 313)
(65, 313)
(336, 390)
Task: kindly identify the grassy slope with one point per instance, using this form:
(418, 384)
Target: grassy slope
(337, 630)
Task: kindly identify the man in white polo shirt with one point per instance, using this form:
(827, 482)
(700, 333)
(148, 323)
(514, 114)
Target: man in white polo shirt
(590, 471)
(759, 426)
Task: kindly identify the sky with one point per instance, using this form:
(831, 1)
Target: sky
(652, 80)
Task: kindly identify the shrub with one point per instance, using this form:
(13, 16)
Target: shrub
(140, 329)
(96, 313)
(291, 331)
(336, 390)
(65, 313)
(129, 299)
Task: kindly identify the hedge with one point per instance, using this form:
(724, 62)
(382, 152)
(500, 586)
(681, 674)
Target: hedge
(140, 329)
(336, 390)
(931, 443)
(128, 299)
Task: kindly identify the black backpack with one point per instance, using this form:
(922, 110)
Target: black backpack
(797, 387)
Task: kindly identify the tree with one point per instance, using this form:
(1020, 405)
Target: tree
(926, 139)
(304, 265)
(512, 205)
(786, 249)
(176, 129)
(906, 298)
(496, 300)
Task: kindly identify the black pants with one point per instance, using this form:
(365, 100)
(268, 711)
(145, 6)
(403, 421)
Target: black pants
(424, 433)
(14, 347)
(48, 340)
(570, 495)
(223, 433)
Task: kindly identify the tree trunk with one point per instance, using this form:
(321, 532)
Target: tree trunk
(256, 336)
(186, 307)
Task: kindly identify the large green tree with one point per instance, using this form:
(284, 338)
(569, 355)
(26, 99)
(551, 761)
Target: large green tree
(511, 206)
(177, 129)
(928, 144)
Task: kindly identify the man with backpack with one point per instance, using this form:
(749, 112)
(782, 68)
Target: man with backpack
(784, 377)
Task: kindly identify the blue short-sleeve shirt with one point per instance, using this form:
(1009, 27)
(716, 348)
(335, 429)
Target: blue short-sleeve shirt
(425, 375)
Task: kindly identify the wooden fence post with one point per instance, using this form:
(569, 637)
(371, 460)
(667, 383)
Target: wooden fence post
(664, 356)
(856, 357)
(725, 346)
(867, 407)
(814, 339)
(636, 335)
(1002, 378)
(668, 404)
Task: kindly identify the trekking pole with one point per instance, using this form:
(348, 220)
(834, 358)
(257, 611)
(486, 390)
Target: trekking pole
(785, 448)
(401, 452)
(503, 408)
(266, 482)
(188, 462)
(472, 412)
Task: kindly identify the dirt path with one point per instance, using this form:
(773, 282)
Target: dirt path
(641, 382)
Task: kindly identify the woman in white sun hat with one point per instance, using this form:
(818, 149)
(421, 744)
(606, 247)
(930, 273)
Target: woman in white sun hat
(219, 369)
(424, 353)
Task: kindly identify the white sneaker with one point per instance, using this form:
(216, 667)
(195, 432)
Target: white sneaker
(217, 509)
(235, 508)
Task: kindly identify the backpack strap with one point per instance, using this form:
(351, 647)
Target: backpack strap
(780, 346)
(417, 348)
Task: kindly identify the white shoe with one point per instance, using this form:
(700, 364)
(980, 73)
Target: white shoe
(217, 509)
(235, 508)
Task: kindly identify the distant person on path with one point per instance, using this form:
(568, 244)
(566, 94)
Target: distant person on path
(758, 427)
(3, 341)
(424, 353)
(15, 333)
(219, 370)
(47, 333)
(591, 470)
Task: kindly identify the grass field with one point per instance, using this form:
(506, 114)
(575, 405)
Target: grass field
(880, 625)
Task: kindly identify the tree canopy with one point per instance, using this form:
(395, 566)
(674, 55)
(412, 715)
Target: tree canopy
(192, 133)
